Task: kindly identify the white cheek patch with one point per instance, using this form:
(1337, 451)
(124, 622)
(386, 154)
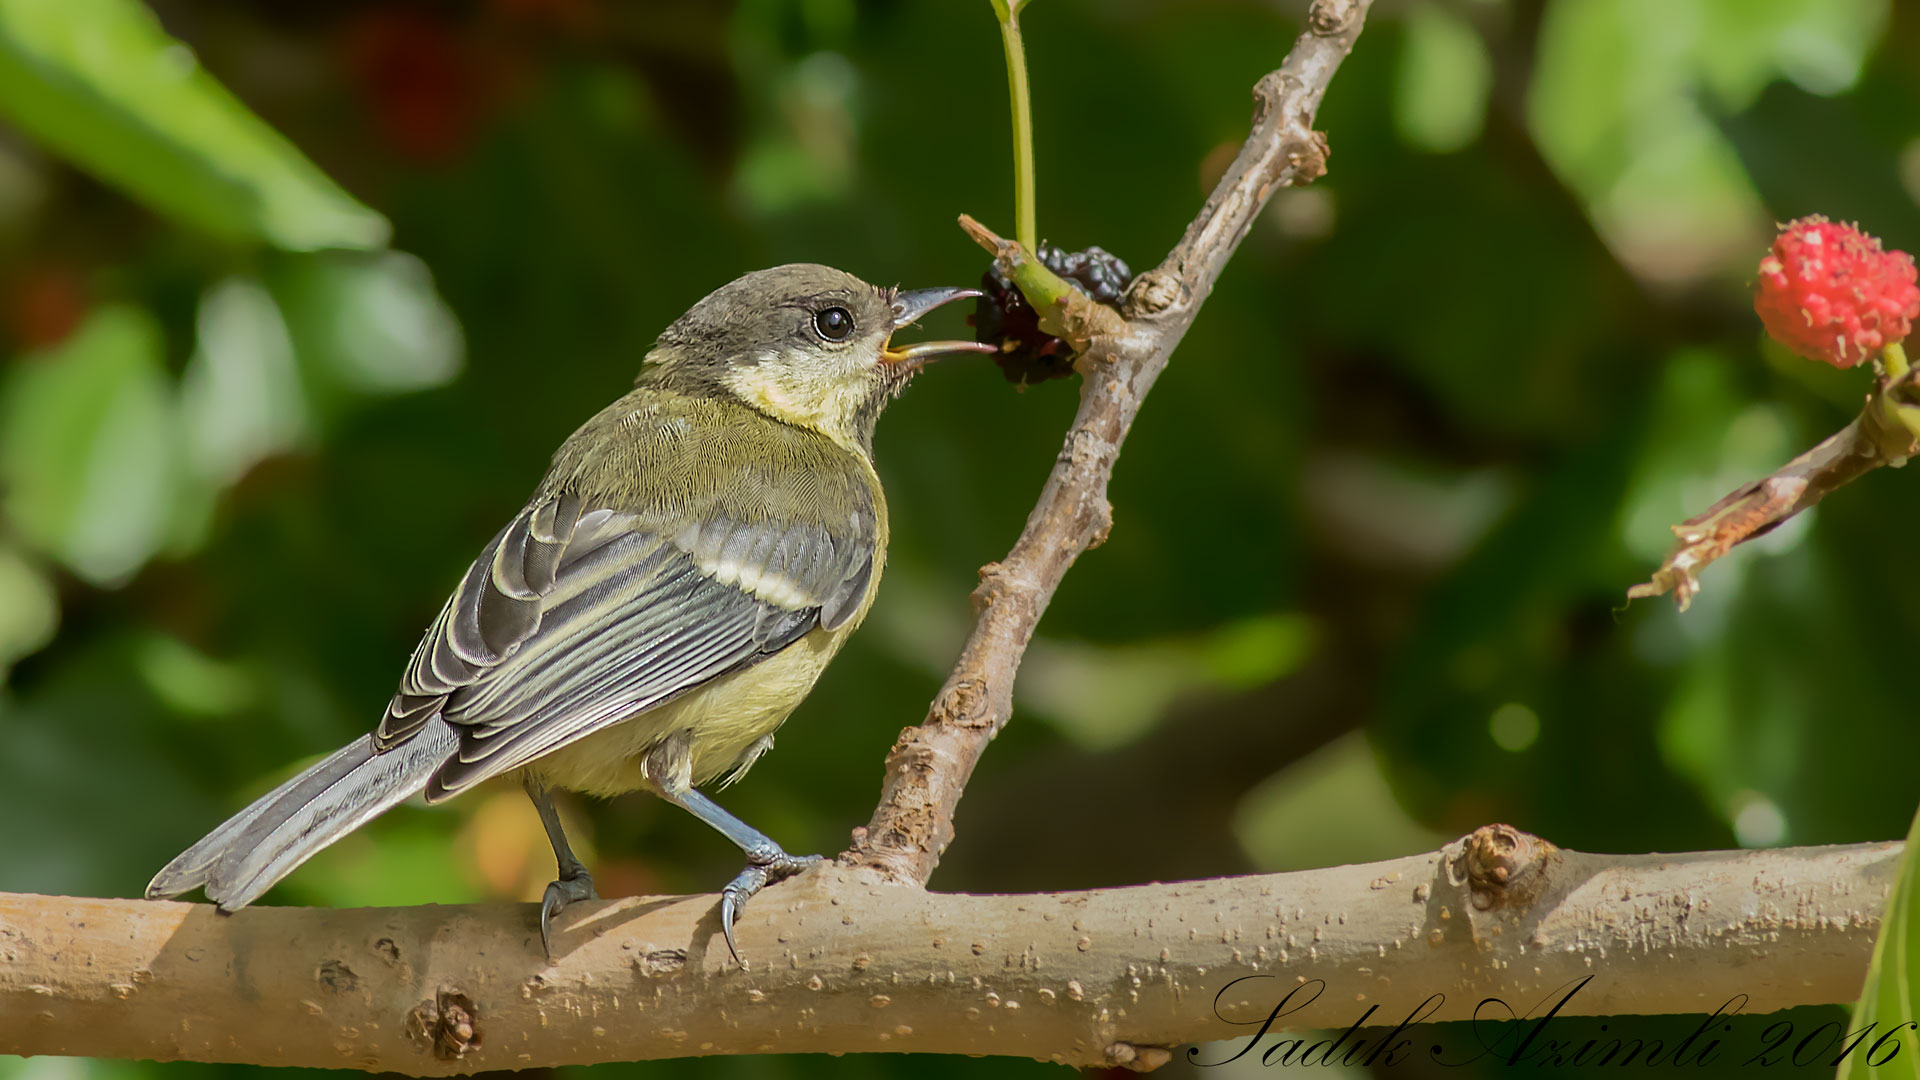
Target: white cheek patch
(827, 403)
(769, 384)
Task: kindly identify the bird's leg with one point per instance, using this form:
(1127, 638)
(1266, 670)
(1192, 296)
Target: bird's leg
(766, 861)
(574, 882)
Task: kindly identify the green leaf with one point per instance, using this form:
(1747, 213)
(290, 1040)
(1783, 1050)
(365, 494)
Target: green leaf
(29, 608)
(373, 324)
(89, 446)
(101, 83)
(1102, 696)
(191, 682)
(240, 395)
(1333, 806)
(1622, 106)
(1887, 1002)
(1440, 96)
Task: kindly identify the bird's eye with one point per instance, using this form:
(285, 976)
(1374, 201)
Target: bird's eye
(834, 324)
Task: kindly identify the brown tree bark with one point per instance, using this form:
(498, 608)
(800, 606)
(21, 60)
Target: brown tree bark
(843, 962)
(930, 764)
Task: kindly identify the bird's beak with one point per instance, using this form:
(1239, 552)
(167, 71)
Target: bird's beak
(907, 309)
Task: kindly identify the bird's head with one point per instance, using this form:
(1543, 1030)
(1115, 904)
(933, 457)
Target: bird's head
(807, 345)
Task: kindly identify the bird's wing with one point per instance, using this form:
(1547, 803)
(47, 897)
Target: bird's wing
(576, 617)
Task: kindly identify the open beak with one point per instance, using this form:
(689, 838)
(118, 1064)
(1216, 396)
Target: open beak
(907, 309)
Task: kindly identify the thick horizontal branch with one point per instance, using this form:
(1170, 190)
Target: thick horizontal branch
(843, 962)
(930, 764)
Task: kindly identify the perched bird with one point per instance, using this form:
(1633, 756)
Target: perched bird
(694, 557)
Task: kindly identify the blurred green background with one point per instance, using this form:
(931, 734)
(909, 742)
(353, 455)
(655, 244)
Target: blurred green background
(1372, 532)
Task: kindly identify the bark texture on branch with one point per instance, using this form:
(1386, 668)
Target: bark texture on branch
(929, 765)
(844, 962)
(1887, 432)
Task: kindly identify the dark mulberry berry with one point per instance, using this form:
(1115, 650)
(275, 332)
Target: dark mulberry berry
(1103, 276)
(1003, 317)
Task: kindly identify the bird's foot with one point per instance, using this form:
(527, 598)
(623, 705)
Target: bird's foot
(760, 873)
(577, 885)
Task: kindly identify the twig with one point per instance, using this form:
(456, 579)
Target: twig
(1883, 434)
(1049, 293)
(930, 764)
(1020, 97)
(846, 963)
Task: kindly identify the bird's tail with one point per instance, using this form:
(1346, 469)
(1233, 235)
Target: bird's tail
(241, 859)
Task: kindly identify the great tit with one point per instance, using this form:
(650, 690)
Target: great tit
(696, 554)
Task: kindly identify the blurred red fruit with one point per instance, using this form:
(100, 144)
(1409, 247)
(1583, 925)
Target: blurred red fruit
(428, 87)
(44, 305)
(1829, 292)
(575, 16)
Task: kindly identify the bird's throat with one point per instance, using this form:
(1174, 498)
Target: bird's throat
(843, 411)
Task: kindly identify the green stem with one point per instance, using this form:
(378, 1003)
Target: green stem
(1043, 288)
(1026, 227)
(1894, 357)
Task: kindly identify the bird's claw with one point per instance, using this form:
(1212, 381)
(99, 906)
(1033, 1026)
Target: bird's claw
(577, 886)
(758, 875)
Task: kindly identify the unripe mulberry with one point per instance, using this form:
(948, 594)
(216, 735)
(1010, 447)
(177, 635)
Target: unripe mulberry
(1829, 292)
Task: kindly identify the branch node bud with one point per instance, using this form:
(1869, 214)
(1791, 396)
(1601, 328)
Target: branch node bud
(1152, 293)
(1329, 17)
(449, 1025)
(1503, 866)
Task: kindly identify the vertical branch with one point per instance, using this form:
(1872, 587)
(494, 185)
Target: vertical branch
(930, 764)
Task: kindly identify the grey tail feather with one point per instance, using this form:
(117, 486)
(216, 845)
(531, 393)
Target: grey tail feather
(243, 858)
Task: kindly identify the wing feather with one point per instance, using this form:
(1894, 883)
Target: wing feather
(576, 617)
